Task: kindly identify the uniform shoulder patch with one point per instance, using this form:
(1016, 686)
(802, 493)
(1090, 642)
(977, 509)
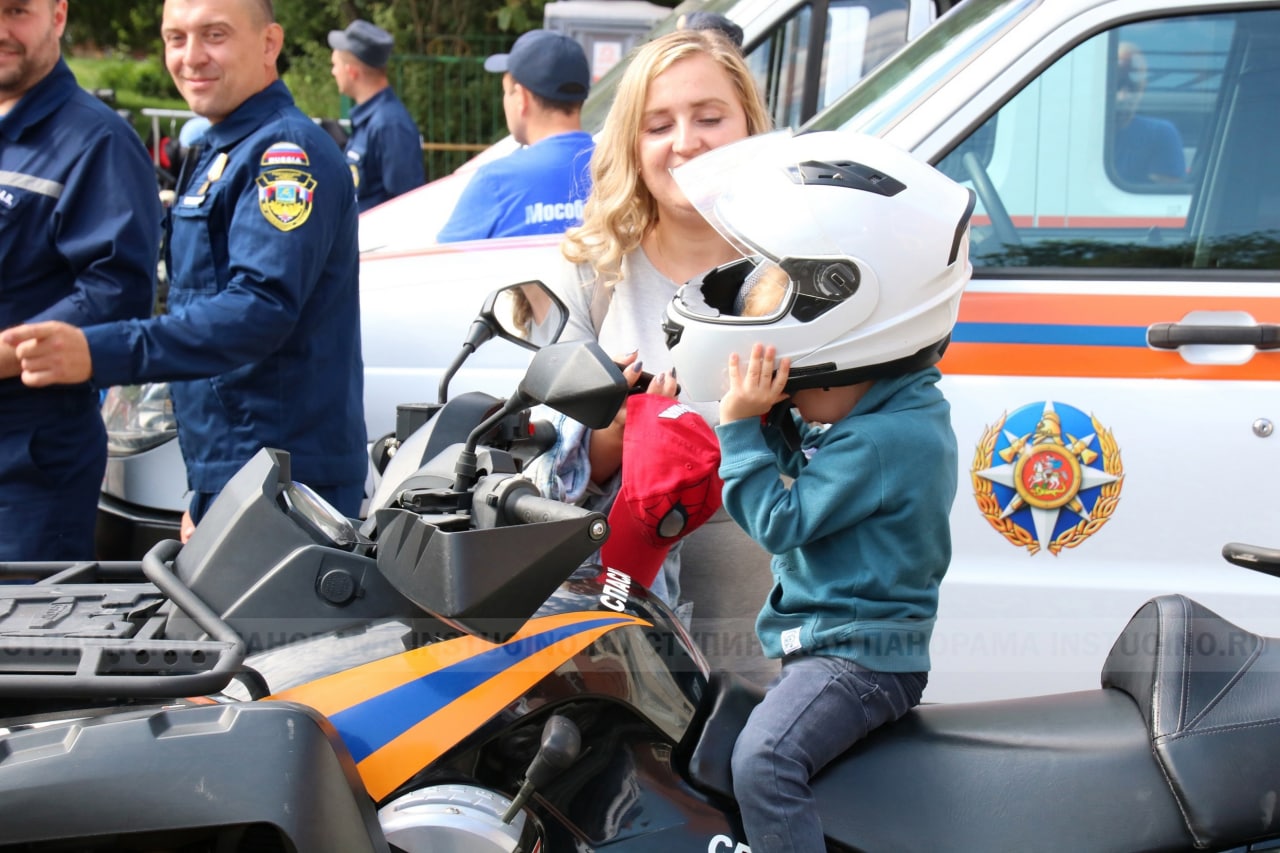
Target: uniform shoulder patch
(286, 187)
(284, 154)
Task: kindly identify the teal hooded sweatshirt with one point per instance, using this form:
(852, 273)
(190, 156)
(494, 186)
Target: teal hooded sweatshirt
(860, 539)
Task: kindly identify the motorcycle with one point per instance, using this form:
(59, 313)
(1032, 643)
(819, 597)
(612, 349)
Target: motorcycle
(441, 678)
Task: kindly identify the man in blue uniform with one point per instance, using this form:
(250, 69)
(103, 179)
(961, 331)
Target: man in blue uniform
(540, 188)
(79, 238)
(385, 148)
(263, 327)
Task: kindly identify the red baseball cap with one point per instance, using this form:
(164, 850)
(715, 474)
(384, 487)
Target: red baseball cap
(670, 484)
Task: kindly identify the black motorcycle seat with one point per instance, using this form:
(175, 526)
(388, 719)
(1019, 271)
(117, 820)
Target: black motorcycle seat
(1069, 772)
(1177, 750)
(1209, 693)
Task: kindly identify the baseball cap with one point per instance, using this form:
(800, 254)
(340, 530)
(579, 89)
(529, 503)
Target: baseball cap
(670, 484)
(549, 64)
(712, 21)
(193, 131)
(367, 42)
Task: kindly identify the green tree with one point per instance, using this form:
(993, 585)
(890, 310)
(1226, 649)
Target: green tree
(439, 45)
(135, 27)
(414, 22)
(123, 25)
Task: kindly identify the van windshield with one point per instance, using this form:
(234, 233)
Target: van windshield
(946, 47)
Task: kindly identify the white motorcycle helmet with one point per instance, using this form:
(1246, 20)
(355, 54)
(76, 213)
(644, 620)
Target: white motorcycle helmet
(855, 257)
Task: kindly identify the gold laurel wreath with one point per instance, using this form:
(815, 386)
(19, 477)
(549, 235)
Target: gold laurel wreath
(984, 493)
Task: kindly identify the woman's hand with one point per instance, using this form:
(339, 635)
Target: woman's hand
(756, 390)
(664, 384)
(605, 452)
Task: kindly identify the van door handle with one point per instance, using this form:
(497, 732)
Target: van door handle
(1174, 335)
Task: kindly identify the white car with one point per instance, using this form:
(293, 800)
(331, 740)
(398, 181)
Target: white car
(418, 298)
(1113, 379)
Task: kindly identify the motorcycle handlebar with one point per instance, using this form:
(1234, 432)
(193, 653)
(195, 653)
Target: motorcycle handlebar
(542, 435)
(532, 508)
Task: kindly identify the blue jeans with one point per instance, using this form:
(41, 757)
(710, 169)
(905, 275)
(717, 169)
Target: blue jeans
(818, 707)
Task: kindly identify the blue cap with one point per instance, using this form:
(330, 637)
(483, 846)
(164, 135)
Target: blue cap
(549, 64)
(193, 131)
(713, 21)
(367, 42)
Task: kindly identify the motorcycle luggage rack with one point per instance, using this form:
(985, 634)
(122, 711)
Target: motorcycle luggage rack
(90, 630)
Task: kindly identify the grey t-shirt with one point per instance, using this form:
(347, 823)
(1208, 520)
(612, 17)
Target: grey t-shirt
(725, 573)
(634, 318)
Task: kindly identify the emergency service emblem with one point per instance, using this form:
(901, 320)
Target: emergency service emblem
(286, 189)
(1047, 477)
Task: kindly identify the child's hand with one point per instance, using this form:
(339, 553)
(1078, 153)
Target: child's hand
(757, 390)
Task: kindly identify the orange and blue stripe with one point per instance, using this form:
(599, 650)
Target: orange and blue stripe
(398, 714)
(1091, 335)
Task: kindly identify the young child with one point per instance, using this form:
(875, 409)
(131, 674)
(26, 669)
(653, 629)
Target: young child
(860, 541)
(849, 482)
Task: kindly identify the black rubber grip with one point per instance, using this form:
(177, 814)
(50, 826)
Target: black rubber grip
(530, 508)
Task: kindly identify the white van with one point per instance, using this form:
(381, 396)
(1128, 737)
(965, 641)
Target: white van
(1121, 324)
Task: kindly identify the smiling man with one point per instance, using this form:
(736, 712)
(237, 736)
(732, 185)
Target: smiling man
(262, 338)
(79, 237)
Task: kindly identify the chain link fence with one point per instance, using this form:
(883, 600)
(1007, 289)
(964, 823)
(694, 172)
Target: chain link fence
(455, 102)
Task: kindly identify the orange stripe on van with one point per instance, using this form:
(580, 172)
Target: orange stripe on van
(984, 359)
(1104, 310)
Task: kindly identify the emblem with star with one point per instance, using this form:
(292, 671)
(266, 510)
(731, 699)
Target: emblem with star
(1039, 484)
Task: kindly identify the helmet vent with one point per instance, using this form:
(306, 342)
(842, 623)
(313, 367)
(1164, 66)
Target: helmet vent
(846, 173)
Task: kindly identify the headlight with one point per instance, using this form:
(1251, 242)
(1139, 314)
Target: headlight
(138, 418)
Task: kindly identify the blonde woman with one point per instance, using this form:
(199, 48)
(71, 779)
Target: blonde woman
(683, 94)
(640, 239)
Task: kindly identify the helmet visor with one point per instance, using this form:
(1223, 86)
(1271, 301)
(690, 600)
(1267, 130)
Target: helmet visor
(769, 214)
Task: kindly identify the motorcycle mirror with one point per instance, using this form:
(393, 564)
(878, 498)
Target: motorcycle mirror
(575, 378)
(578, 380)
(526, 313)
(529, 314)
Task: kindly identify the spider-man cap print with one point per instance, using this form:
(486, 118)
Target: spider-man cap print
(670, 484)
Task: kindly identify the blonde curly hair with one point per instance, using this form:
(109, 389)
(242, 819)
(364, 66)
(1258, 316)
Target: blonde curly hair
(620, 209)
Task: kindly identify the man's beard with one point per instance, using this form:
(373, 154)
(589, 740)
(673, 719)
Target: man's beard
(25, 74)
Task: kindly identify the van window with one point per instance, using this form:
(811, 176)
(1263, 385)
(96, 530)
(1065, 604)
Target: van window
(778, 63)
(1147, 146)
(856, 36)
